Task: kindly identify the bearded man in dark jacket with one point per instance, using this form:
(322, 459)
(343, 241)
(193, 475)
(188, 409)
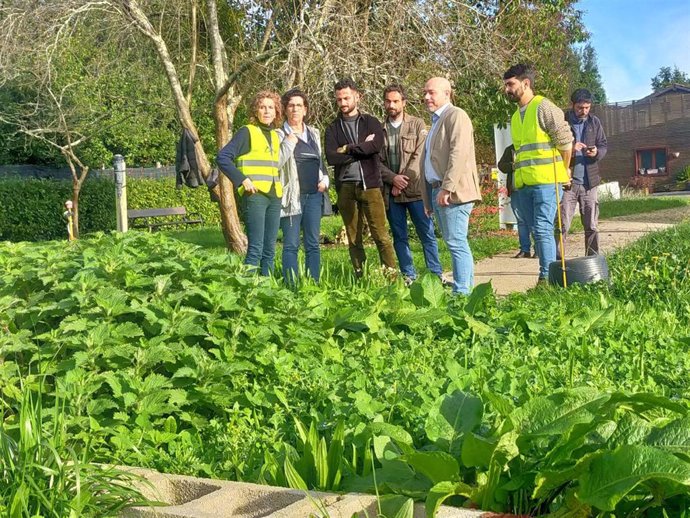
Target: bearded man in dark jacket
(352, 144)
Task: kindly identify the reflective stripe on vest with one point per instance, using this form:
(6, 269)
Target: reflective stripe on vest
(260, 164)
(537, 161)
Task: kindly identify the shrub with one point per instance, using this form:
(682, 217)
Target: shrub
(31, 209)
(43, 473)
(683, 175)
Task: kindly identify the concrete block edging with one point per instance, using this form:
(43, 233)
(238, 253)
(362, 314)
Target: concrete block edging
(189, 497)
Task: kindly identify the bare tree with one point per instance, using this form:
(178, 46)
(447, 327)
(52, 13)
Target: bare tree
(47, 85)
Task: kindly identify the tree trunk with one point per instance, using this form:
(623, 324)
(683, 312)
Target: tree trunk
(76, 190)
(231, 225)
(232, 230)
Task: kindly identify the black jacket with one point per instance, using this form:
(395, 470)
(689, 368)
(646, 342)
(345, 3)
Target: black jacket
(592, 135)
(366, 153)
(186, 164)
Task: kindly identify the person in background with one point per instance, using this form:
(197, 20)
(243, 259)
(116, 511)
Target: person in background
(590, 147)
(252, 160)
(305, 183)
(543, 145)
(403, 137)
(452, 182)
(353, 142)
(505, 165)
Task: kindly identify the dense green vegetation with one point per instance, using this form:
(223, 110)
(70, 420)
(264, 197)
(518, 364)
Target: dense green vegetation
(173, 357)
(31, 210)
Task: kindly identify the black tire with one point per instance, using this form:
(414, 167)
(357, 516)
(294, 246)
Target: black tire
(582, 270)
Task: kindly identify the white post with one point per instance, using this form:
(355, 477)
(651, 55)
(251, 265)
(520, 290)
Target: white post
(120, 193)
(506, 217)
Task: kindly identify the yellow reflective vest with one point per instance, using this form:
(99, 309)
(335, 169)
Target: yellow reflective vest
(537, 161)
(260, 164)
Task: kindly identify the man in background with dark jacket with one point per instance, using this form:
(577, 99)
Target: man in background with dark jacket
(590, 146)
(403, 137)
(353, 142)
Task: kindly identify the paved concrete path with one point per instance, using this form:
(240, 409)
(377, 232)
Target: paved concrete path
(509, 275)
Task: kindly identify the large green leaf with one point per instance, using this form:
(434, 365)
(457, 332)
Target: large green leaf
(478, 295)
(293, 478)
(614, 474)
(506, 450)
(553, 477)
(437, 466)
(477, 450)
(674, 437)
(642, 401)
(428, 291)
(557, 413)
(390, 430)
(452, 416)
(440, 492)
(335, 456)
(630, 429)
(396, 506)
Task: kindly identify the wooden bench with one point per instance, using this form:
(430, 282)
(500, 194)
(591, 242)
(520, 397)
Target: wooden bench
(154, 219)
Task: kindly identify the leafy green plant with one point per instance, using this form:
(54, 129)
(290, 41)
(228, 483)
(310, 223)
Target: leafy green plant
(683, 175)
(575, 451)
(314, 465)
(41, 474)
(174, 357)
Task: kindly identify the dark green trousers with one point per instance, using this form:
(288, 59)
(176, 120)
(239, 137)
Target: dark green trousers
(355, 204)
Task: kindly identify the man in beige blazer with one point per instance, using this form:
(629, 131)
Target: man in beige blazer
(452, 184)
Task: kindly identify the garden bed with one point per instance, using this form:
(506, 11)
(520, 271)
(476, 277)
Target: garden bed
(173, 358)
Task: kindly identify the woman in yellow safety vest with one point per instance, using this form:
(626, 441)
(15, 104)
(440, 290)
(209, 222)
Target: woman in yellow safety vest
(251, 160)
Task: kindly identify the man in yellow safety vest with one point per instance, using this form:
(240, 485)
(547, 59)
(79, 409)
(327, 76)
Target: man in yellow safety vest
(543, 147)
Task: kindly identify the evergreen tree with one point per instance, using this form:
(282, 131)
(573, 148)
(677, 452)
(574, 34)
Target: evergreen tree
(667, 77)
(589, 74)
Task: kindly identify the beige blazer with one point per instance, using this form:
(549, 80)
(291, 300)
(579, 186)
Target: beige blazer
(452, 155)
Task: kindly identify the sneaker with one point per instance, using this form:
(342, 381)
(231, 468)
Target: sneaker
(408, 280)
(522, 255)
(445, 281)
(535, 256)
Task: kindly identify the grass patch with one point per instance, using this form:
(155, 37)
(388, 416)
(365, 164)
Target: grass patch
(335, 258)
(633, 205)
(486, 242)
(627, 206)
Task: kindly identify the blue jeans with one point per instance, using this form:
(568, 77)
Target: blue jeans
(523, 229)
(454, 221)
(262, 219)
(539, 208)
(424, 225)
(310, 224)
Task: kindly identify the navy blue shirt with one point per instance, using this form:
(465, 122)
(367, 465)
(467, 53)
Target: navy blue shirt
(308, 163)
(580, 163)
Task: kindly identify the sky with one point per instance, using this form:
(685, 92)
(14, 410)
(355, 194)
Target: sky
(633, 39)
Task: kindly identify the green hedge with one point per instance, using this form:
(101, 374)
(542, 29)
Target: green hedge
(31, 209)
